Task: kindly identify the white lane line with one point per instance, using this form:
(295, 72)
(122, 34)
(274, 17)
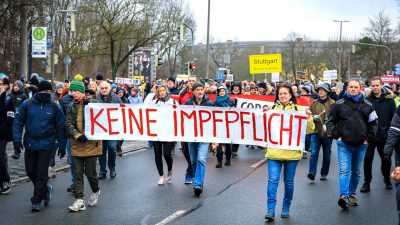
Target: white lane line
(172, 217)
(134, 152)
(257, 164)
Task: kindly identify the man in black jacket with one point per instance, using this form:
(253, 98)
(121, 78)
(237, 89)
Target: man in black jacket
(383, 102)
(6, 120)
(353, 123)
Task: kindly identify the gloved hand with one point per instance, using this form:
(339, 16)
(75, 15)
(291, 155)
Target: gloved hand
(387, 157)
(316, 118)
(61, 152)
(18, 146)
(82, 139)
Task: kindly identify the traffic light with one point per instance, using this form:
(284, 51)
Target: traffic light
(187, 68)
(160, 60)
(70, 22)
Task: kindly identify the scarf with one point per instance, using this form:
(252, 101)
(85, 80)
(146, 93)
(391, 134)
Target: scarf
(323, 101)
(44, 97)
(167, 97)
(356, 98)
(222, 101)
(134, 96)
(236, 92)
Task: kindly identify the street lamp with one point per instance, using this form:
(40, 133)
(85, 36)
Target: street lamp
(208, 39)
(340, 43)
(382, 46)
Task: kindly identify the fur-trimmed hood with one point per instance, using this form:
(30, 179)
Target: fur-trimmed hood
(385, 92)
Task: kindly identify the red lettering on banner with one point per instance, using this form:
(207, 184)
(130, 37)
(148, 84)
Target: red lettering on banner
(175, 122)
(202, 120)
(286, 129)
(139, 126)
(124, 119)
(189, 116)
(215, 121)
(265, 127)
(300, 118)
(93, 121)
(110, 131)
(242, 122)
(148, 121)
(269, 128)
(227, 121)
(255, 138)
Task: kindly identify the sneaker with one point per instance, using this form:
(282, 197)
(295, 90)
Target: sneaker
(161, 181)
(234, 154)
(102, 176)
(188, 179)
(228, 162)
(94, 197)
(16, 156)
(219, 164)
(251, 147)
(285, 213)
(71, 189)
(388, 184)
(311, 176)
(365, 188)
(79, 205)
(47, 198)
(113, 174)
(343, 202)
(6, 187)
(119, 152)
(36, 207)
(169, 176)
(270, 215)
(323, 177)
(304, 155)
(353, 200)
(197, 191)
(52, 172)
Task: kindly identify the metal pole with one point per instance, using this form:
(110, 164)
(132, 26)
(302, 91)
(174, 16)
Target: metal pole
(340, 51)
(53, 34)
(208, 40)
(66, 70)
(383, 46)
(23, 54)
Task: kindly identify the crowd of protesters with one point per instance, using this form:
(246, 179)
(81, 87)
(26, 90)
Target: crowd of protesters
(46, 121)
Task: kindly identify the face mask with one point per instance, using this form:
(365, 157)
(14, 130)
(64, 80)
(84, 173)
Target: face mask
(44, 97)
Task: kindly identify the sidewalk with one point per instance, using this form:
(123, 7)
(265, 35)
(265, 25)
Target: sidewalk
(16, 168)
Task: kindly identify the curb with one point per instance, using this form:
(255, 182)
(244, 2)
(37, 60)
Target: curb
(65, 168)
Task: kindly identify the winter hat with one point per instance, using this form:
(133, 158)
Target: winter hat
(120, 90)
(19, 84)
(171, 79)
(77, 85)
(41, 79)
(196, 85)
(2, 75)
(87, 79)
(262, 85)
(325, 87)
(34, 81)
(306, 88)
(6, 81)
(99, 76)
(44, 86)
(113, 86)
(164, 86)
(59, 85)
(78, 77)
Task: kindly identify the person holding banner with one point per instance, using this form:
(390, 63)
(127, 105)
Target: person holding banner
(223, 100)
(163, 147)
(198, 150)
(320, 109)
(84, 152)
(278, 158)
(134, 98)
(110, 146)
(353, 122)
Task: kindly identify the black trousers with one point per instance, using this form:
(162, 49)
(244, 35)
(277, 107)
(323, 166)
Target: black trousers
(185, 151)
(4, 176)
(369, 157)
(87, 166)
(235, 147)
(163, 148)
(36, 167)
(228, 152)
(119, 145)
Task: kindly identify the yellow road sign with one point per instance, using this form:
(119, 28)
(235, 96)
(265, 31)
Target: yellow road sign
(266, 63)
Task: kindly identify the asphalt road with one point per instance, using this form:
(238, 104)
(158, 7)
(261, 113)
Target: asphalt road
(232, 195)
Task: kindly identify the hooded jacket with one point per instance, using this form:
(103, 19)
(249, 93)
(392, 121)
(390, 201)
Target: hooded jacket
(7, 112)
(42, 125)
(18, 97)
(353, 122)
(385, 108)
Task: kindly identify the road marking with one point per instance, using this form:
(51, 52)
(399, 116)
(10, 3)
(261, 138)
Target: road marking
(172, 217)
(133, 152)
(257, 164)
(144, 220)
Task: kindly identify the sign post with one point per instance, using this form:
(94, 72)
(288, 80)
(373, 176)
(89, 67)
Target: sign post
(265, 63)
(67, 61)
(39, 42)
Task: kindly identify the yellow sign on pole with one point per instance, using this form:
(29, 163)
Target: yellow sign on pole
(266, 63)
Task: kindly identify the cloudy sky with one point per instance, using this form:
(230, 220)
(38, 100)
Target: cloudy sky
(255, 20)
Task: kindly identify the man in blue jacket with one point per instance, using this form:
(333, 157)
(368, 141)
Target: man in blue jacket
(43, 121)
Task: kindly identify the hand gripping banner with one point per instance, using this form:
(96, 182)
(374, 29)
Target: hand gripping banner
(278, 129)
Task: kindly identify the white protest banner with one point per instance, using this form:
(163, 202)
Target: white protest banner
(278, 129)
(275, 77)
(119, 80)
(252, 104)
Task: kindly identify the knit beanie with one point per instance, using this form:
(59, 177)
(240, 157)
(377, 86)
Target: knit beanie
(99, 76)
(78, 77)
(196, 85)
(19, 84)
(44, 86)
(77, 85)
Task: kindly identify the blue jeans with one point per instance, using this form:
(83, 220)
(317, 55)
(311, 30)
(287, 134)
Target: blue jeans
(316, 142)
(68, 147)
(308, 142)
(110, 147)
(350, 161)
(198, 157)
(274, 173)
